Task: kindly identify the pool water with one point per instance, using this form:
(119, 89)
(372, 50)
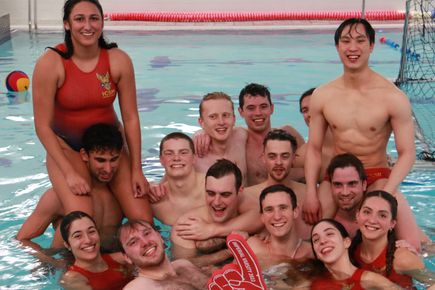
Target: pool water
(173, 71)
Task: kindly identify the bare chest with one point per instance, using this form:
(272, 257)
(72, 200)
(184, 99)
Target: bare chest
(362, 114)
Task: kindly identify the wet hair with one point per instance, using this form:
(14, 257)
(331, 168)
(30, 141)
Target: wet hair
(353, 22)
(341, 229)
(224, 167)
(130, 226)
(67, 220)
(214, 96)
(67, 8)
(304, 95)
(176, 135)
(102, 137)
(254, 89)
(278, 188)
(391, 235)
(346, 160)
(280, 135)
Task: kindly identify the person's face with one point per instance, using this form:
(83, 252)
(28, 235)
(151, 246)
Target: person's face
(256, 111)
(221, 197)
(278, 157)
(177, 158)
(305, 109)
(347, 188)
(83, 239)
(143, 246)
(85, 24)
(102, 164)
(354, 47)
(328, 244)
(217, 119)
(278, 215)
(374, 218)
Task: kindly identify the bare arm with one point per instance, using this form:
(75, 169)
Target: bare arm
(46, 79)
(122, 68)
(408, 263)
(193, 227)
(74, 281)
(211, 259)
(370, 280)
(403, 129)
(313, 159)
(182, 248)
(36, 224)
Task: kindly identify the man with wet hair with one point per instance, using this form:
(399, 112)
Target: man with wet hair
(144, 248)
(362, 109)
(227, 209)
(217, 119)
(279, 211)
(101, 152)
(183, 186)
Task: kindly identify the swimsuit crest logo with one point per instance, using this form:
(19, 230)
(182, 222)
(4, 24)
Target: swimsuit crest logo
(107, 92)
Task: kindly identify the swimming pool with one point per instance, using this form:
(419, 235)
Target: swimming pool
(173, 71)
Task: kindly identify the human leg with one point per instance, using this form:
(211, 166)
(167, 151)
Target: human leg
(133, 208)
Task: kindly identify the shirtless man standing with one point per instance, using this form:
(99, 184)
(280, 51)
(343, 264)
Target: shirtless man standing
(362, 109)
(279, 211)
(143, 247)
(216, 117)
(255, 106)
(184, 186)
(278, 156)
(102, 145)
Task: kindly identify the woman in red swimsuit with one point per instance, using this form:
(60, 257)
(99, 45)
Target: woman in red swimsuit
(374, 246)
(330, 242)
(74, 86)
(91, 269)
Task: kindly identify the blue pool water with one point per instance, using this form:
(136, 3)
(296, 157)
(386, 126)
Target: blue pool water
(173, 71)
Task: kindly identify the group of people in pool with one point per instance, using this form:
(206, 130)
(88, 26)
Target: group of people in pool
(251, 180)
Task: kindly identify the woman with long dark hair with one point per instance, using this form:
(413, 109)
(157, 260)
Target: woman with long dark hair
(91, 269)
(374, 246)
(74, 86)
(330, 242)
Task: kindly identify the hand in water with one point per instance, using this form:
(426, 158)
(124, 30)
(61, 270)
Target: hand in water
(244, 274)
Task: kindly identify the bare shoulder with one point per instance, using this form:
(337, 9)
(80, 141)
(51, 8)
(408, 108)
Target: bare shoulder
(240, 134)
(72, 280)
(120, 61)
(256, 244)
(254, 190)
(140, 283)
(118, 54)
(50, 63)
(405, 260)
(371, 280)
